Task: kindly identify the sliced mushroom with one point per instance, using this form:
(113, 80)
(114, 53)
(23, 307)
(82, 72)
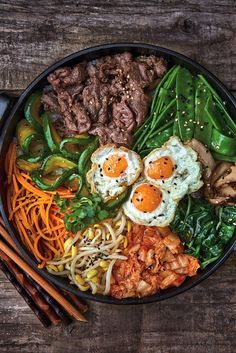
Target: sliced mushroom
(228, 177)
(205, 157)
(219, 170)
(228, 190)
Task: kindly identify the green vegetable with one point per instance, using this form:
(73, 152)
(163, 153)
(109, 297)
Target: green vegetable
(118, 201)
(24, 164)
(73, 146)
(185, 103)
(75, 182)
(162, 137)
(32, 111)
(222, 157)
(52, 137)
(223, 144)
(54, 171)
(25, 134)
(203, 229)
(203, 129)
(86, 155)
(82, 212)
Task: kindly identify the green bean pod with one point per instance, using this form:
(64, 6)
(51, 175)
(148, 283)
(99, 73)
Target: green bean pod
(185, 103)
(203, 128)
(223, 144)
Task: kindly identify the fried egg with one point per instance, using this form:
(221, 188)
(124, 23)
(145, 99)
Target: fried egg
(174, 167)
(113, 169)
(150, 205)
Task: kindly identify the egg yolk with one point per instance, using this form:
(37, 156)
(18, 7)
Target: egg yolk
(161, 168)
(146, 197)
(114, 165)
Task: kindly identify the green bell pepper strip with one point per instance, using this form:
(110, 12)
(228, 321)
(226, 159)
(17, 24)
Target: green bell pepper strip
(52, 137)
(223, 144)
(185, 103)
(221, 157)
(50, 184)
(54, 171)
(24, 164)
(32, 111)
(55, 163)
(158, 141)
(25, 134)
(203, 127)
(118, 201)
(225, 115)
(75, 182)
(69, 147)
(86, 155)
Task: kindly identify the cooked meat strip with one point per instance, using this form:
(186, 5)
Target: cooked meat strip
(104, 97)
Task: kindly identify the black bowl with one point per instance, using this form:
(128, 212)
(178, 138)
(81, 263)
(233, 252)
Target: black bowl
(16, 113)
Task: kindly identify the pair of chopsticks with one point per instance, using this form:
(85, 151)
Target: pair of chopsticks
(48, 304)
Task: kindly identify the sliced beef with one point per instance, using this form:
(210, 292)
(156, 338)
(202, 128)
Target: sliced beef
(50, 102)
(106, 97)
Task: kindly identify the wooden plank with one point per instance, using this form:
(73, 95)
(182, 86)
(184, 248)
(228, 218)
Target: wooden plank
(200, 320)
(33, 37)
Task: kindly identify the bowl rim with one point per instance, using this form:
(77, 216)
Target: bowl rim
(122, 46)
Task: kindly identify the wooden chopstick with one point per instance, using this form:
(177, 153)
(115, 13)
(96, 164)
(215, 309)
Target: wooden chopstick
(42, 282)
(20, 289)
(29, 287)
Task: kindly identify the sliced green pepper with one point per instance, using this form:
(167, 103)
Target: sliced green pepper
(24, 164)
(45, 183)
(185, 103)
(86, 155)
(223, 144)
(55, 163)
(55, 170)
(75, 182)
(52, 137)
(32, 111)
(118, 201)
(25, 134)
(73, 146)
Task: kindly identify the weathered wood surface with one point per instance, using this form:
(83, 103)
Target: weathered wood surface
(34, 34)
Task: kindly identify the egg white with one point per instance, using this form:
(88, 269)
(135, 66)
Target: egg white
(162, 216)
(110, 187)
(186, 177)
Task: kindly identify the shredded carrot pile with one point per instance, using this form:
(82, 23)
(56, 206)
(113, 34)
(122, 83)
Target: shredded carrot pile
(34, 212)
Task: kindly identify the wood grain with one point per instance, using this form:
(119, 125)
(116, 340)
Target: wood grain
(35, 34)
(201, 320)
(32, 36)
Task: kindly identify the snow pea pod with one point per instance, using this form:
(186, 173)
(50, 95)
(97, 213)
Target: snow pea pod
(222, 157)
(223, 144)
(203, 128)
(214, 116)
(185, 103)
(221, 105)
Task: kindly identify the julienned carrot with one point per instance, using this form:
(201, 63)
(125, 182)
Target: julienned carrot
(36, 216)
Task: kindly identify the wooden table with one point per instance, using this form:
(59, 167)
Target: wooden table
(34, 34)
